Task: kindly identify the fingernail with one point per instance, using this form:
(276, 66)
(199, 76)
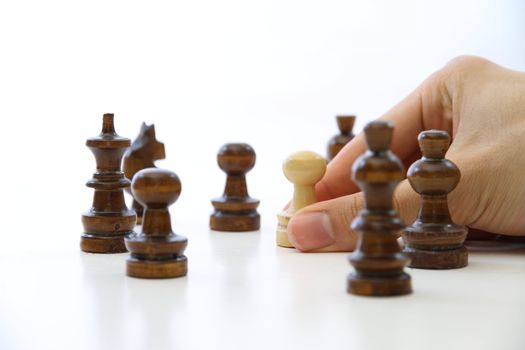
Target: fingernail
(310, 231)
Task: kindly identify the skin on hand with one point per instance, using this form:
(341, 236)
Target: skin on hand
(482, 106)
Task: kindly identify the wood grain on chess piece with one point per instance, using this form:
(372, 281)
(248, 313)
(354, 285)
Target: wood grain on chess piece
(108, 220)
(336, 143)
(156, 252)
(235, 210)
(142, 154)
(304, 169)
(377, 259)
(433, 241)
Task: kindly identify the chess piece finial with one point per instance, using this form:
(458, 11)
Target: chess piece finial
(304, 169)
(108, 220)
(377, 259)
(433, 241)
(142, 154)
(156, 252)
(336, 143)
(235, 210)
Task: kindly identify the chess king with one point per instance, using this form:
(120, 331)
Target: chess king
(109, 220)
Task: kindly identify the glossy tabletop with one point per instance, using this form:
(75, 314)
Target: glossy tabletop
(243, 292)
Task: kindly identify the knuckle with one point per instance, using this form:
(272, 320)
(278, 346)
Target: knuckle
(460, 68)
(465, 62)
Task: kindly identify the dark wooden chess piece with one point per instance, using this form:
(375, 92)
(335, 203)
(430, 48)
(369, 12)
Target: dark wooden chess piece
(142, 154)
(336, 143)
(433, 241)
(235, 211)
(156, 252)
(108, 220)
(377, 259)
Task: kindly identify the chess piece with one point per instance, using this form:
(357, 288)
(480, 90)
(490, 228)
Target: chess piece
(156, 252)
(303, 169)
(336, 143)
(377, 259)
(142, 154)
(433, 241)
(108, 220)
(235, 210)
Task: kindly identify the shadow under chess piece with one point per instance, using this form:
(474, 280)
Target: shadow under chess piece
(235, 210)
(377, 259)
(156, 252)
(108, 220)
(142, 154)
(336, 143)
(433, 241)
(304, 169)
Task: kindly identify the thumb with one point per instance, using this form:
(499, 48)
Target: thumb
(325, 226)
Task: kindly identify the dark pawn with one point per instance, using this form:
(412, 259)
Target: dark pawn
(235, 210)
(156, 252)
(108, 220)
(378, 260)
(433, 241)
(142, 154)
(336, 143)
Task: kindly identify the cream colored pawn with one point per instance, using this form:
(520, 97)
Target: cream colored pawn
(304, 169)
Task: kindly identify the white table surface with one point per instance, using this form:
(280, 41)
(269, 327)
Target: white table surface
(270, 73)
(243, 292)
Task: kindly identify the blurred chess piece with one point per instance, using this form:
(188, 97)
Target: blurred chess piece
(304, 169)
(336, 143)
(377, 259)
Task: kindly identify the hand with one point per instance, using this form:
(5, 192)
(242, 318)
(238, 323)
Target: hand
(482, 106)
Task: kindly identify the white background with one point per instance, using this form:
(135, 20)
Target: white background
(270, 73)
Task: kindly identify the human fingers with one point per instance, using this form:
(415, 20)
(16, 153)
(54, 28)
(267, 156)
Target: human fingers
(325, 226)
(407, 116)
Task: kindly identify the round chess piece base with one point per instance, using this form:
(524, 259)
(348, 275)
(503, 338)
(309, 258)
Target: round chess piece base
(170, 268)
(105, 232)
(104, 245)
(220, 221)
(282, 240)
(282, 230)
(437, 259)
(370, 286)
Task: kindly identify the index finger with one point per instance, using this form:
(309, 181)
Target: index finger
(407, 118)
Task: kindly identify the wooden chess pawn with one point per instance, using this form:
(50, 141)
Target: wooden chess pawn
(377, 259)
(156, 252)
(433, 241)
(304, 169)
(108, 220)
(142, 154)
(235, 210)
(336, 143)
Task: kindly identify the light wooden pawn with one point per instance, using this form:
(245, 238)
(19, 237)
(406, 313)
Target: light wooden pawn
(304, 169)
